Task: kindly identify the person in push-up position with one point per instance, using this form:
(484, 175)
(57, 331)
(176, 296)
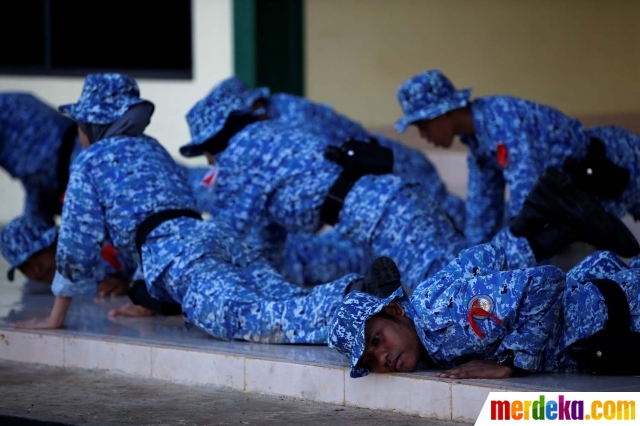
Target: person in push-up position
(477, 320)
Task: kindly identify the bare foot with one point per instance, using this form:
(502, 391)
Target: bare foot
(130, 310)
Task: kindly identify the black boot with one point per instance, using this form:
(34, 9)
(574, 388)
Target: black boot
(570, 212)
(382, 279)
(550, 240)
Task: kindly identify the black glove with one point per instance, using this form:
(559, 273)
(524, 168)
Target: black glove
(359, 158)
(596, 174)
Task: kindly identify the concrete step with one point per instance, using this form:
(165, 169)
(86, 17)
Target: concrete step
(37, 395)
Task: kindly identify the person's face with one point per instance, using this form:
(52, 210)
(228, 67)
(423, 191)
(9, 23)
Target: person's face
(260, 103)
(84, 139)
(40, 266)
(438, 131)
(391, 345)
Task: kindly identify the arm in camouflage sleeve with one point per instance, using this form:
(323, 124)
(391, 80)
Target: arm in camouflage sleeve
(485, 201)
(81, 238)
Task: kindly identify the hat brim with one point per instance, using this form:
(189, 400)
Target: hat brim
(79, 113)
(459, 99)
(194, 147)
(67, 109)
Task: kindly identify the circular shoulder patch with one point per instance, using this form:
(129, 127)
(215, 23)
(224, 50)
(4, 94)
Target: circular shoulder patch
(484, 302)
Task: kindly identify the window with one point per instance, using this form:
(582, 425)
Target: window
(143, 38)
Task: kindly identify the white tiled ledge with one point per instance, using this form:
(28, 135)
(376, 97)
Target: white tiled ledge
(409, 394)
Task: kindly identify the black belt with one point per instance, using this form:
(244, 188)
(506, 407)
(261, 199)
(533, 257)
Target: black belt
(617, 305)
(333, 202)
(153, 221)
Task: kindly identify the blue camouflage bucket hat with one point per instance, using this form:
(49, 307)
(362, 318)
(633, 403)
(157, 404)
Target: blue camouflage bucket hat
(208, 117)
(347, 328)
(428, 95)
(23, 237)
(235, 86)
(104, 99)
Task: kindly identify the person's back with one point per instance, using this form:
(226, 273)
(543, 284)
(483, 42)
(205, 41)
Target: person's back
(115, 184)
(316, 117)
(260, 159)
(31, 133)
(526, 128)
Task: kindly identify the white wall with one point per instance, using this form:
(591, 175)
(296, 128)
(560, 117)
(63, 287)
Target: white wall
(213, 61)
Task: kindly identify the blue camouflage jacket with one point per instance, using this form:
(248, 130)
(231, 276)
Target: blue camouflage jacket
(476, 309)
(260, 161)
(515, 141)
(410, 164)
(114, 185)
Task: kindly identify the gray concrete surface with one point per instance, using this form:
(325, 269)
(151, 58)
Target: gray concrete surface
(83, 397)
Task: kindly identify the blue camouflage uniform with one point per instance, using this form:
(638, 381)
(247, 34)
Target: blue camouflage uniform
(584, 309)
(321, 119)
(31, 138)
(515, 141)
(223, 285)
(302, 259)
(273, 171)
(475, 308)
(471, 309)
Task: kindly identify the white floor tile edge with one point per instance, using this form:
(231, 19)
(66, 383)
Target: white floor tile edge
(415, 395)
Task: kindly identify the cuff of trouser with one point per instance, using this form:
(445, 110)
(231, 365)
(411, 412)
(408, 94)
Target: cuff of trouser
(364, 206)
(64, 287)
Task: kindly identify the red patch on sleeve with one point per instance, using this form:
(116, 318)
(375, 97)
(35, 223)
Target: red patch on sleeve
(62, 197)
(503, 155)
(110, 254)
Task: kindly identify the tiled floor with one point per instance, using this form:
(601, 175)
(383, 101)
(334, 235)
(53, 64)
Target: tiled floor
(162, 348)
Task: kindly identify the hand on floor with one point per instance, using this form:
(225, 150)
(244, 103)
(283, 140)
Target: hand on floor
(114, 286)
(46, 323)
(478, 369)
(130, 310)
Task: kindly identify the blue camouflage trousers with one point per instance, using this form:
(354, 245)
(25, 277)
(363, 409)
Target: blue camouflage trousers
(584, 310)
(303, 259)
(226, 289)
(414, 166)
(315, 259)
(391, 217)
